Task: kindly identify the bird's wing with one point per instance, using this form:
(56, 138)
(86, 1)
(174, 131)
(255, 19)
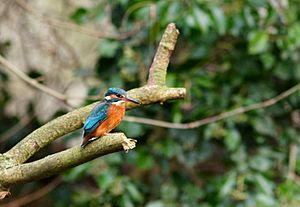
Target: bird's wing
(96, 117)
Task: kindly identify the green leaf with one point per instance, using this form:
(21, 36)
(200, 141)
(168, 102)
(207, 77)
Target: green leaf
(260, 163)
(264, 200)
(79, 16)
(108, 48)
(228, 185)
(126, 201)
(248, 16)
(77, 172)
(144, 160)
(214, 130)
(105, 180)
(292, 40)
(264, 185)
(193, 192)
(169, 192)
(258, 42)
(132, 129)
(268, 60)
(157, 203)
(202, 19)
(232, 139)
(83, 197)
(169, 148)
(219, 19)
(205, 82)
(265, 126)
(289, 191)
(134, 192)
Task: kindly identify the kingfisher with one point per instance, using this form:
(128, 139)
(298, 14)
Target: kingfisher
(106, 115)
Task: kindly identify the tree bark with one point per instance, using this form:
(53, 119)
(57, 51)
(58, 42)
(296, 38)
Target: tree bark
(12, 167)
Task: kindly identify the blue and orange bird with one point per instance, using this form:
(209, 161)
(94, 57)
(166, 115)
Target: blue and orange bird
(106, 115)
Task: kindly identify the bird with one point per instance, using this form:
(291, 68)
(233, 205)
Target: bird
(106, 115)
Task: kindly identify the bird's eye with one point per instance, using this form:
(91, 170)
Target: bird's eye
(119, 95)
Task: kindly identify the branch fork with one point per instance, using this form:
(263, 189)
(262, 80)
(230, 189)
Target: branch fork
(14, 170)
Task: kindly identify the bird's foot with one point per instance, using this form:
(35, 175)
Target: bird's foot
(128, 144)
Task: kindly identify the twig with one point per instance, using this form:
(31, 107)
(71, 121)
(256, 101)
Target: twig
(218, 117)
(34, 83)
(70, 26)
(12, 68)
(35, 195)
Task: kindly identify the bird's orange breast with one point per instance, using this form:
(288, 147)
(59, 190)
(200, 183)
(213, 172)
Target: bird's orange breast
(115, 115)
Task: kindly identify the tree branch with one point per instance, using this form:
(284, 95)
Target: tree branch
(12, 68)
(158, 69)
(63, 160)
(74, 27)
(12, 170)
(35, 195)
(218, 117)
(71, 121)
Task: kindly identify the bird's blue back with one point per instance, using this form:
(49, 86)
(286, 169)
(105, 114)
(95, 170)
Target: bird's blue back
(96, 117)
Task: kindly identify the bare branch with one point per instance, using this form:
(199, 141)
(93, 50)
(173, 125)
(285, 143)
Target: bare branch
(158, 69)
(58, 162)
(35, 195)
(215, 118)
(74, 27)
(13, 69)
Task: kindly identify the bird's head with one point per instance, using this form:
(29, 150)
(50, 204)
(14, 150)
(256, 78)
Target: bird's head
(118, 95)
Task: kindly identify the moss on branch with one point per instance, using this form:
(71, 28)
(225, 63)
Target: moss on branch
(63, 160)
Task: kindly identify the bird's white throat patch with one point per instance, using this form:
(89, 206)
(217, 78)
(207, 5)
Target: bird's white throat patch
(118, 103)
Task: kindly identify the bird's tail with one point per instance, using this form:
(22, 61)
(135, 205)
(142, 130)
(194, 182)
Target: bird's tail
(85, 141)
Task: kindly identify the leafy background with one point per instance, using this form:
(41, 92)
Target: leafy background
(229, 54)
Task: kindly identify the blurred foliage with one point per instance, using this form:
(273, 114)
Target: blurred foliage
(229, 54)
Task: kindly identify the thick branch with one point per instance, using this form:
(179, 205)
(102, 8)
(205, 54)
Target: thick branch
(12, 170)
(74, 120)
(158, 69)
(61, 161)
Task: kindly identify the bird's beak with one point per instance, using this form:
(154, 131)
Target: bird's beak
(131, 100)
